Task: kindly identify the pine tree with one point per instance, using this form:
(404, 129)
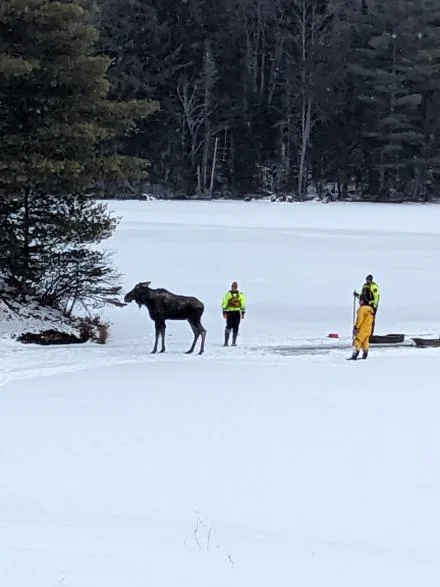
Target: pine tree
(397, 74)
(60, 137)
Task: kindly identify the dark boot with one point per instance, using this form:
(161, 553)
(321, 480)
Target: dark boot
(234, 338)
(227, 333)
(365, 354)
(354, 356)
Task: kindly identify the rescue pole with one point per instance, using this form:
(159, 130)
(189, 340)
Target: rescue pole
(353, 319)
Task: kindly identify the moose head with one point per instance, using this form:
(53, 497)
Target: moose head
(138, 293)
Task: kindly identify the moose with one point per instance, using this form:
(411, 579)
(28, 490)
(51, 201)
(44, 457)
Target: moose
(163, 305)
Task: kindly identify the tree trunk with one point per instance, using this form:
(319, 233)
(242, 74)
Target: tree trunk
(214, 158)
(26, 261)
(306, 114)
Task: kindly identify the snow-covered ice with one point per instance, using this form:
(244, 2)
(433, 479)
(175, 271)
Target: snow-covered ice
(242, 467)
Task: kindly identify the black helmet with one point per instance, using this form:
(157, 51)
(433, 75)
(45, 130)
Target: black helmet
(369, 278)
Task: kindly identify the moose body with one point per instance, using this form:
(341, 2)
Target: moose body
(163, 305)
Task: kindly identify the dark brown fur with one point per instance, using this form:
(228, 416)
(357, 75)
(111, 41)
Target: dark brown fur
(163, 305)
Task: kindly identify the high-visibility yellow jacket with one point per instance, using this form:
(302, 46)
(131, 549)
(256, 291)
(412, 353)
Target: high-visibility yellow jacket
(371, 290)
(234, 301)
(364, 322)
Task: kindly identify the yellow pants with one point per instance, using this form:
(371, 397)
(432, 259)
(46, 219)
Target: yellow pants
(362, 343)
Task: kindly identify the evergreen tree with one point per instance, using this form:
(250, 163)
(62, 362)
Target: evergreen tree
(60, 136)
(397, 75)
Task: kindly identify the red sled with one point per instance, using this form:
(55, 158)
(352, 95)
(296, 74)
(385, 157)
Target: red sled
(333, 335)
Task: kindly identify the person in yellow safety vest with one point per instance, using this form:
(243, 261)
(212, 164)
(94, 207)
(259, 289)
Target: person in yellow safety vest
(234, 309)
(371, 291)
(363, 328)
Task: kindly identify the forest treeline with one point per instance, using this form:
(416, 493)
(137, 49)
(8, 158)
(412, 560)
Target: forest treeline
(276, 96)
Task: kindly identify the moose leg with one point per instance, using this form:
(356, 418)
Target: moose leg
(203, 335)
(156, 338)
(196, 336)
(162, 333)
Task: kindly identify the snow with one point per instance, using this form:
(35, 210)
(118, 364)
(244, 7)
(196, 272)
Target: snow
(17, 317)
(241, 467)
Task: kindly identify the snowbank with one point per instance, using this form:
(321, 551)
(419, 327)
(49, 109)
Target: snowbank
(18, 317)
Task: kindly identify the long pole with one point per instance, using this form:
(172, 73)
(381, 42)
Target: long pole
(353, 318)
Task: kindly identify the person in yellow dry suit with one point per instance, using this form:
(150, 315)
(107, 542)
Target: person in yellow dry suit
(363, 328)
(234, 308)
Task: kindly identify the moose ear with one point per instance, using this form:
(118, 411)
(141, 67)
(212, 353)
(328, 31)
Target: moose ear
(145, 283)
